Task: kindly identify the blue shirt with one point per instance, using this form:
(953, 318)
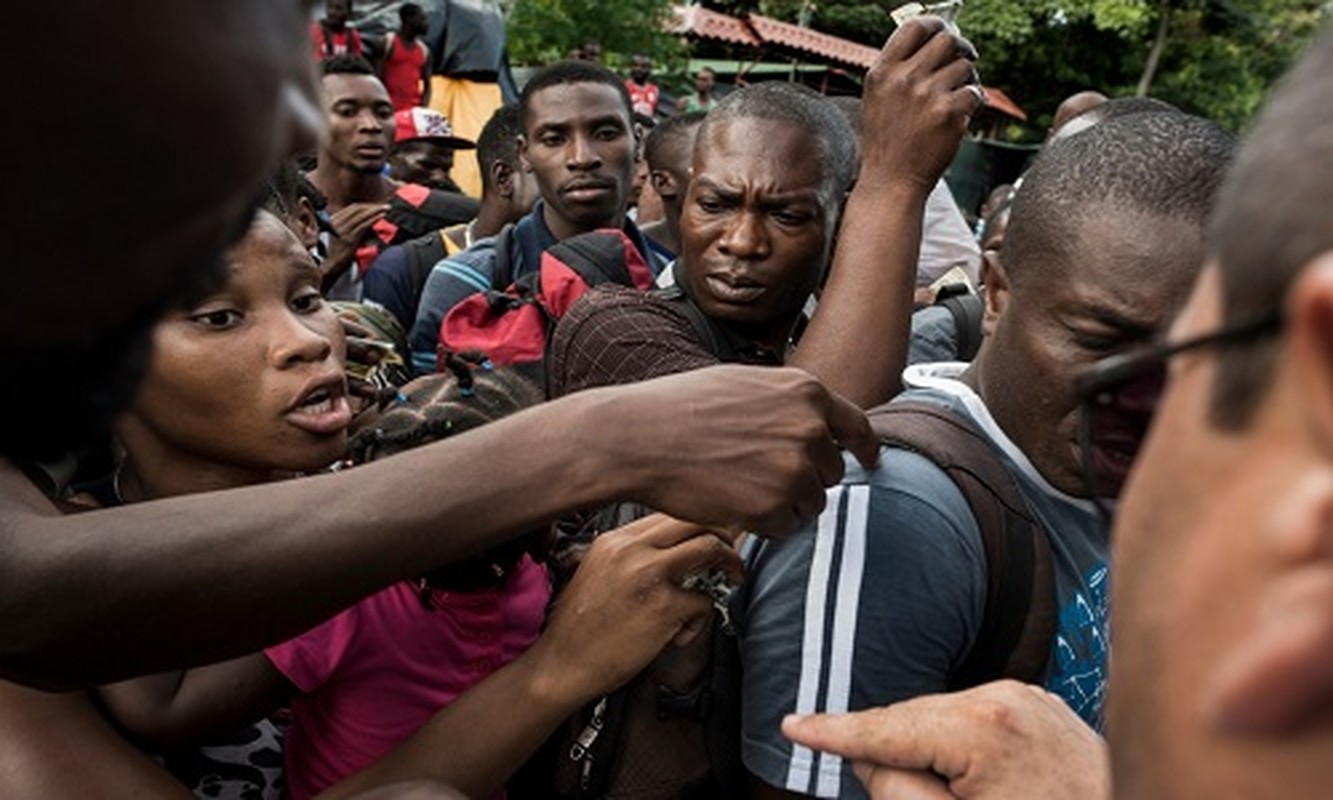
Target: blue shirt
(882, 597)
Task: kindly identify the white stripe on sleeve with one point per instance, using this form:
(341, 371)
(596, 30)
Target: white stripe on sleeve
(850, 573)
(812, 643)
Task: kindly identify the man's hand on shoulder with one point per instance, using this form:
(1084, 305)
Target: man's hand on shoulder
(999, 740)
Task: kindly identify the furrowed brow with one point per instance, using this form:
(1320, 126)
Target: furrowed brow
(716, 188)
(801, 198)
(1117, 321)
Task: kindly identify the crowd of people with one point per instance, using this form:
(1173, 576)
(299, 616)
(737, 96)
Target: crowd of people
(767, 509)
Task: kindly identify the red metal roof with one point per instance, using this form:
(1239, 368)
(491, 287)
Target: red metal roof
(755, 30)
(708, 24)
(998, 100)
(810, 40)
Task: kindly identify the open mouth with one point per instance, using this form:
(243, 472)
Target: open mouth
(323, 411)
(1118, 457)
(1112, 453)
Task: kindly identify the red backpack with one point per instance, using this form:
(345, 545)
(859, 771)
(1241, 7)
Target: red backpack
(514, 326)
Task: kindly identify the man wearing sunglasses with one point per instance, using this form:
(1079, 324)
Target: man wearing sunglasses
(1233, 498)
(1224, 575)
(884, 602)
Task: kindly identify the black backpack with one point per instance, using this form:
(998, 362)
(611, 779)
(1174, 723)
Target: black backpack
(673, 731)
(967, 310)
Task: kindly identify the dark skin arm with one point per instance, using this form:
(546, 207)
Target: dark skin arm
(377, 51)
(624, 605)
(425, 76)
(183, 708)
(915, 111)
(97, 597)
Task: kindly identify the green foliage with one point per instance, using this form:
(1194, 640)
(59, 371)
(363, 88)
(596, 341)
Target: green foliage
(1218, 57)
(1129, 18)
(852, 22)
(542, 31)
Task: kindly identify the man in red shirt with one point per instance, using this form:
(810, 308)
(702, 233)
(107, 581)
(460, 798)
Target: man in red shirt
(642, 92)
(368, 211)
(405, 68)
(332, 36)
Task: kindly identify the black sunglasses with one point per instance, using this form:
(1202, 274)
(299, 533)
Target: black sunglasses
(1119, 394)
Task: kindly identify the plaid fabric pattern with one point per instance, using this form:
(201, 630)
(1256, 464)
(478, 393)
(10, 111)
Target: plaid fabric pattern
(616, 335)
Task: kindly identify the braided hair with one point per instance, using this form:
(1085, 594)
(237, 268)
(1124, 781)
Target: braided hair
(470, 394)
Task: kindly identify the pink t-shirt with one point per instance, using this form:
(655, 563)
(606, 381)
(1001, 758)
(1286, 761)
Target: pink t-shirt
(374, 674)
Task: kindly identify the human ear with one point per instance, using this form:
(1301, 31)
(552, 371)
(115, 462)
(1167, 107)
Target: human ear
(502, 178)
(523, 152)
(996, 281)
(662, 182)
(305, 223)
(1278, 677)
(1306, 350)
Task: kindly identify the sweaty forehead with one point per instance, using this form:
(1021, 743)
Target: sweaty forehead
(788, 160)
(1137, 265)
(568, 104)
(361, 88)
(268, 237)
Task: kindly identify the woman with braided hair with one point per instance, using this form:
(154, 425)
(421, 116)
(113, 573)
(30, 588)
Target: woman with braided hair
(247, 386)
(369, 677)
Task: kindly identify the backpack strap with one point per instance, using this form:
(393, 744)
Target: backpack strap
(967, 311)
(603, 256)
(722, 728)
(423, 253)
(710, 337)
(1014, 640)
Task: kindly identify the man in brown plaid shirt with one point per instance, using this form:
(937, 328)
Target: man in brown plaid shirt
(772, 166)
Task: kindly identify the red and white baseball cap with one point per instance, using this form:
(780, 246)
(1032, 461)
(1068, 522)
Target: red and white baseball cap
(427, 123)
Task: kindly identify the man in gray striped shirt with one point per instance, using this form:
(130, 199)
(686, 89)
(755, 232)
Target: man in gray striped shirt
(883, 598)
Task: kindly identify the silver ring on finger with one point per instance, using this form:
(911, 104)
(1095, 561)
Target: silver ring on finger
(979, 94)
